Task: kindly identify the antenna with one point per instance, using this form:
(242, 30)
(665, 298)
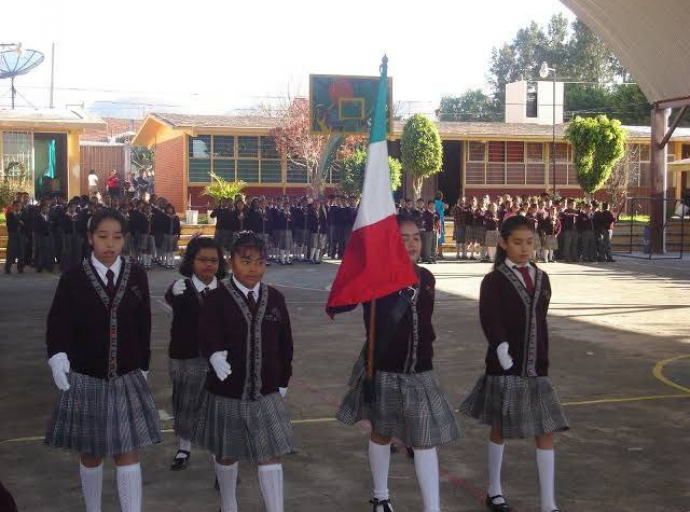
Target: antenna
(17, 62)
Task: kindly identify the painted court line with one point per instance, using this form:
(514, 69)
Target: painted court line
(658, 373)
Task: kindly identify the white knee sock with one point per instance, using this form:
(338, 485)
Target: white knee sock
(185, 444)
(495, 462)
(546, 465)
(129, 487)
(91, 486)
(426, 466)
(227, 481)
(379, 462)
(271, 483)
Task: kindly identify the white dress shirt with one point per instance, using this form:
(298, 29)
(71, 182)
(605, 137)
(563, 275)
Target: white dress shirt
(201, 286)
(102, 269)
(245, 291)
(530, 268)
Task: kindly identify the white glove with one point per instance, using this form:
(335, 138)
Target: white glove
(179, 287)
(283, 392)
(504, 358)
(60, 366)
(219, 361)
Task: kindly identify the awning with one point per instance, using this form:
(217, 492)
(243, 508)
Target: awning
(649, 37)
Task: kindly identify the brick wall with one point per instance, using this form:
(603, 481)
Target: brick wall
(168, 166)
(102, 159)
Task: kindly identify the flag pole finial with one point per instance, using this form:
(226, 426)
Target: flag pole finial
(384, 63)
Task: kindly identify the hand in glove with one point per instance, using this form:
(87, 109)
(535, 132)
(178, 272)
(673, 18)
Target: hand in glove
(282, 391)
(504, 358)
(219, 362)
(60, 366)
(179, 287)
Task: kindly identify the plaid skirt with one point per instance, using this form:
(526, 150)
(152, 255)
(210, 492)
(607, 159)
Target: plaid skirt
(144, 243)
(285, 239)
(255, 430)
(491, 238)
(300, 236)
(169, 243)
(520, 407)
(549, 242)
(410, 407)
(104, 418)
(537, 243)
(188, 390)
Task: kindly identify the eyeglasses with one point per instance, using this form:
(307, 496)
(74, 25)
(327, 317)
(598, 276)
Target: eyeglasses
(209, 261)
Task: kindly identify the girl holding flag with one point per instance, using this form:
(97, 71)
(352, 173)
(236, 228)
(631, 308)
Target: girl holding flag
(403, 398)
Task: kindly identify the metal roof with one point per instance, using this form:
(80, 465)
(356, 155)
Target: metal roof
(650, 37)
(49, 118)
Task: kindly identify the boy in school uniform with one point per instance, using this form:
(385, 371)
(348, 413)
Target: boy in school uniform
(16, 238)
(603, 227)
(71, 238)
(247, 338)
(43, 240)
(430, 220)
(568, 218)
(585, 228)
(223, 232)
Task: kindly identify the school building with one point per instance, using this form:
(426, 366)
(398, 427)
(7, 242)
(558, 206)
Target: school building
(44, 143)
(478, 158)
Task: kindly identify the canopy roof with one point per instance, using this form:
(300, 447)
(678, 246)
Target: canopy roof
(649, 37)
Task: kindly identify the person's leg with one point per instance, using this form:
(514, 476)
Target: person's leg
(426, 467)
(91, 474)
(226, 472)
(379, 463)
(495, 462)
(129, 481)
(271, 483)
(546, 465)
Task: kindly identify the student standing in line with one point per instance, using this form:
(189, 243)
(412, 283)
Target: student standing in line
(98, 338)
(515, 396)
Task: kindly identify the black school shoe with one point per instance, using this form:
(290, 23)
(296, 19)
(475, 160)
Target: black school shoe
(180, 463)
(381, 505)
(495, 507)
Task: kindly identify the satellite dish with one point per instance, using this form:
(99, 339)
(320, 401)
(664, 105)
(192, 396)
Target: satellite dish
(18, 62)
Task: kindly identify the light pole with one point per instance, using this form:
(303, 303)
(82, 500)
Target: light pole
(544, 72)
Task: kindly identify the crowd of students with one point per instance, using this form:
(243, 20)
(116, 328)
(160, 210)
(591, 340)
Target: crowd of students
(565, 231)
(230, 363)
(295, 230)
(53, 232)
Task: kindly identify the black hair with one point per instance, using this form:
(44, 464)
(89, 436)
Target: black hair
(248, 241)
(193, 248)
(104, 214)
(404, 219)
(509, 225)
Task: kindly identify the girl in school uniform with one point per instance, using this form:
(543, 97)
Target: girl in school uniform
(44, 256)
(285, 234)
(223, 232)
(408, 404)
(515, 396)
(98, 338)
(238, 219)
(248, 341)
(549, 229)
(171, 234)
(71, 239)
(318, 227)
(203, 267)
(491, 231)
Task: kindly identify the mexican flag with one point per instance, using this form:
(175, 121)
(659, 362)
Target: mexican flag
(375, 263)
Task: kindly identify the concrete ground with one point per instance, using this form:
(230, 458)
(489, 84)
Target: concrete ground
(620, 361)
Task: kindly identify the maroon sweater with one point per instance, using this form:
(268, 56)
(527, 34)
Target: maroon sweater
(260, 364)
(505, 310)
(397, 355)
(78, 324)
(184, 331)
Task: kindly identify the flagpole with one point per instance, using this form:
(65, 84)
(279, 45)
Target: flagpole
(371, 340)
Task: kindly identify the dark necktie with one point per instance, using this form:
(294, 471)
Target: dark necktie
(251, 301)
(204, 292)
(529, 284)
(110, 286)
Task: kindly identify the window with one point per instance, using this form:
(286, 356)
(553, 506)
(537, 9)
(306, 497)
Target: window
(476, 151)
(16, 155)
(497, 151)
(296, 173)
(251, 159)
(200, 147)
(507, 163)
(223, 146)
(535, 152)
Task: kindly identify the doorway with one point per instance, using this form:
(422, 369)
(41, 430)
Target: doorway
(50, 164)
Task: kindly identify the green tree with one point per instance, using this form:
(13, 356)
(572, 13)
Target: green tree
(473, 105)
(422, 152)
(599, 144)
(223, 189)
(353, 172)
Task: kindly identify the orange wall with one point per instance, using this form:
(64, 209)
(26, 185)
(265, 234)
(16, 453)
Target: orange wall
(168, 166)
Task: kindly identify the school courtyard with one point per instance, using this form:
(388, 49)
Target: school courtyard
(620, 359)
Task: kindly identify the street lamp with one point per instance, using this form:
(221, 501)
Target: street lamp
(544, 72)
